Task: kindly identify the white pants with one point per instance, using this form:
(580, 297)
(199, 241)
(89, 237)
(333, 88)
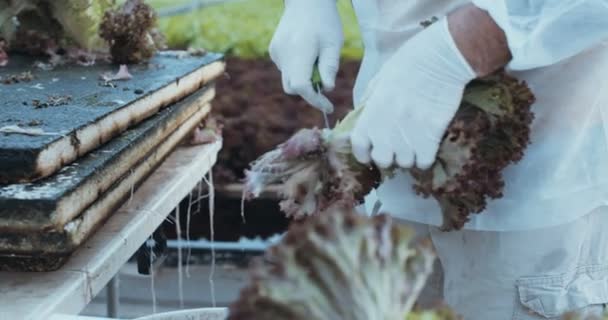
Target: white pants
(539, 274)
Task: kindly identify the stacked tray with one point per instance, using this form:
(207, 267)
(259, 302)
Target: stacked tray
(59, 182)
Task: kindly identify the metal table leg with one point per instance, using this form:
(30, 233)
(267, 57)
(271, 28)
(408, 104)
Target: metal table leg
(113, 296)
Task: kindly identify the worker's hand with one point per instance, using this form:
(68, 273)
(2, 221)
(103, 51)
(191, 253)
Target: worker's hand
(411, 101)
(309, 30)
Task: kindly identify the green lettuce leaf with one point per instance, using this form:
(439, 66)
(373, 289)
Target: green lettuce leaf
(80, 20)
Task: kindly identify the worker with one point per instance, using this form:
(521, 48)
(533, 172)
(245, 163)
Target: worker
(539, 252)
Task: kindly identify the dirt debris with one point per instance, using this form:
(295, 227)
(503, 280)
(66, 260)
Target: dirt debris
(197, 52)
(208, 131)
(34, 123)
(52, 101)
(121, 74)
(25, 76)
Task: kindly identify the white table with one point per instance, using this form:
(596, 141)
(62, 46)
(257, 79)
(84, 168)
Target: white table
(189, 314)
(68, 290)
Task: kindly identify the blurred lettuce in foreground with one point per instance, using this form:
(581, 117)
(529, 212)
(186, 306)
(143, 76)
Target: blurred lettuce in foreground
(339, 266)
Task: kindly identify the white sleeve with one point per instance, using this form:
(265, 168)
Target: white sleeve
(543, 32)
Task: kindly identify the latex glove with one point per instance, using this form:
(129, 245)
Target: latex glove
(309, 31)
(410, 102)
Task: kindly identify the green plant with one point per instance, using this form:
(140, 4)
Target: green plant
(243, 29)
(72, 21)
(490, 131)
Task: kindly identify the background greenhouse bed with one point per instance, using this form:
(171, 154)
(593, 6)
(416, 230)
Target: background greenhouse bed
(241, 28)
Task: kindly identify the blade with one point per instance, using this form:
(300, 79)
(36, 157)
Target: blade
(317, 86)
(326, 119)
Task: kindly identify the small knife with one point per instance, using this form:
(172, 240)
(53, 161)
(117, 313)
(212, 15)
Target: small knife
(317, 85)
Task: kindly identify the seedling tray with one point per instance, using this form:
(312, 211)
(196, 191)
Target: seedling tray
(77, 111)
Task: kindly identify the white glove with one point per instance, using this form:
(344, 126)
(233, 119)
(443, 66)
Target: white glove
(309, 31)
(409, 104)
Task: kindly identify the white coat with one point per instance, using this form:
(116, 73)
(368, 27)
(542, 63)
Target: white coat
(559, 48)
